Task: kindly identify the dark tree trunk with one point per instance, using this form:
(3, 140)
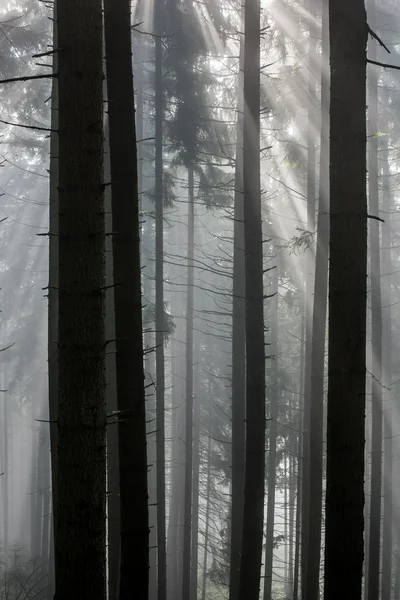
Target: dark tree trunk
(80, 528)
(312, 584)
(253, 510)
(344, 524)
(113, 503)
(187, 524)
(134, 574)
(238, 357)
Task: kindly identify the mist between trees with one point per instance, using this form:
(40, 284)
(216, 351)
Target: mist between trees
(200, 292)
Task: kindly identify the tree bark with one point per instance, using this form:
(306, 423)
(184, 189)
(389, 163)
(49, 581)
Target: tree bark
(253, 509)
(273, 434)
(238, 356)
(134, 575)
(80, 532)
(160, 325)
(376, 327)
(386, 254)
(344, 525)
(312, 583)
(187, 525)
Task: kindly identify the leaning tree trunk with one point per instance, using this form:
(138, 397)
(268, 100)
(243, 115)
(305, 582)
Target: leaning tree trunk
(344, 524)
(376, 328)
(253, 510)
(312, 583)
(80, 528)
(134, 574)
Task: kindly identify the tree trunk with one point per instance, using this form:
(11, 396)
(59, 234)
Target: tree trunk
(208, 502)
(253, 510)
(113, 502)
(187, 525)
(160, 325)
(238, 356)
(134, 575)
(52, 315)
(387, 541)
(273, 434)
(344, 525)
(309, 291)
(312, 583)
(376, 326)
(196, 499)
(80, 532)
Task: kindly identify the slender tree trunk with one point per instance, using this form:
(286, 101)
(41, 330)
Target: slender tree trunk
(253, 510)
(309, 291)
(208, 502)
(291, 499)
(187, 525)
(387, 541)
(296, 574)
(113, 502)
(134, 574)
(376, 329)
(160, 324)
(312, 584)
(196, 499)
(52, 332)
(273, 434)
(80, 532)
(344, 524)
(238, 357)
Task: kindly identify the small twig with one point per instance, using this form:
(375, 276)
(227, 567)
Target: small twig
(26, 126)
(14, 79)
(378, 64)
(375, 218)
(377, 38)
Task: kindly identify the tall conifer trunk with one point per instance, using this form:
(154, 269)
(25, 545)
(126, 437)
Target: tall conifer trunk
(80, 531)
(344, 522)
(253, 510)
(312, 583)
(238, 356)
(134, 574)
(387, 540)
(376, 325)
(187, 524)
(160, 324)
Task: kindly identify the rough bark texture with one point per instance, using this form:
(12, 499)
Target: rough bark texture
(80, 532)
(344, 544)
(253, 510)
(134, 574)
